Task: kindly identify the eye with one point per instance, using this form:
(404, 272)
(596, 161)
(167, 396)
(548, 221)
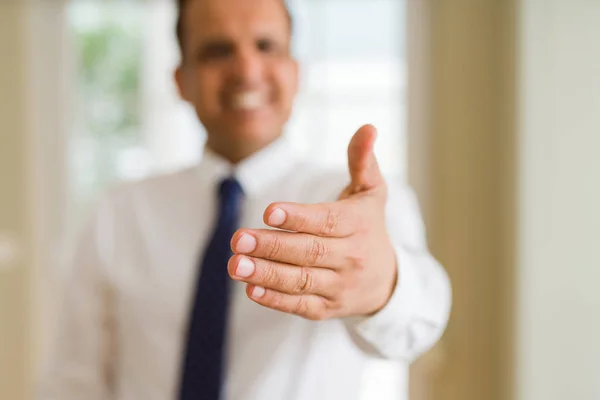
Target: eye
(265, 46)
(216, 51)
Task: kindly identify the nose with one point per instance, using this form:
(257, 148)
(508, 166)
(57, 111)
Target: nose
(248, 67)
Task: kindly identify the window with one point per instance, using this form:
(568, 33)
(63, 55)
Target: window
(108, 112)
(354, 72)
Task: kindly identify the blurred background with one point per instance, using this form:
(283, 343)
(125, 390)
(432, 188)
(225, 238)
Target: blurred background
(490, 108)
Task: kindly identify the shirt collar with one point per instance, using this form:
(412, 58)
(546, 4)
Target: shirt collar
(253, 173)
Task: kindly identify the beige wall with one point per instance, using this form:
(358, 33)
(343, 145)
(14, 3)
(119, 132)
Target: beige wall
(15, 354)
(461, 161)
(559, 201)
(505, 143)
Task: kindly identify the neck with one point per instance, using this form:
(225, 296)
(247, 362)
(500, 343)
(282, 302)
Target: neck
(236, 152)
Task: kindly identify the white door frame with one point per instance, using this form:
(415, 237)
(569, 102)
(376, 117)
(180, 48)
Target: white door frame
(48, 96)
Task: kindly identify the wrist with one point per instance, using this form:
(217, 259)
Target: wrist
(389, 284)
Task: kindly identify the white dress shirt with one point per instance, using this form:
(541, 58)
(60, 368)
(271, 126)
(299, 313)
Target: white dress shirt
(123, 326)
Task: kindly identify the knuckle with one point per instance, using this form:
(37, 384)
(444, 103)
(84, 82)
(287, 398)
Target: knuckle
(269, 273)
(331, 222)
(300, 307)
(274, 247)
(305, 282)
(316, 251)
(358, 261)
(357, 255)
(357, 269)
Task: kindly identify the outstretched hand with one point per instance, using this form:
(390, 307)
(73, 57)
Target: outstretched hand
(329, 260)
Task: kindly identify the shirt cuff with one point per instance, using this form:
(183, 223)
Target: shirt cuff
(388, 325)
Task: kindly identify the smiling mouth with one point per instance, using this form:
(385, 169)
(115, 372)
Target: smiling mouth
(248, 101)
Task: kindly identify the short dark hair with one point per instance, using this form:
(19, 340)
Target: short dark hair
(180, 10)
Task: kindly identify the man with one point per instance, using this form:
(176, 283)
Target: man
(158, 307)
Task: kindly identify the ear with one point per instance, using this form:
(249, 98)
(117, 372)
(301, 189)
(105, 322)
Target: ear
(179, 76)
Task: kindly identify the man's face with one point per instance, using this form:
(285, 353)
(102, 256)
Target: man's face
(237, 71)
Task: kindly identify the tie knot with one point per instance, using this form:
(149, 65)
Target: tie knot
(230, 189)
(230, 198)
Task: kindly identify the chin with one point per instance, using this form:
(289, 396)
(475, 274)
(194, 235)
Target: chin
(257, 133)
(257, 140)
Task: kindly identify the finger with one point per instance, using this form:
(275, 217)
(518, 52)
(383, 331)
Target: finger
(338, 219)
(362, 163)
(283, 278)
(309, 306)
(289, 247)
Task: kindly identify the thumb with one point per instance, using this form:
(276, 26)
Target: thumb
(362, 164)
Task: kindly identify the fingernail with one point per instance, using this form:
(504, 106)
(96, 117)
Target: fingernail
(245, 244)
(258, 292)
(277, 217)
(245, 268)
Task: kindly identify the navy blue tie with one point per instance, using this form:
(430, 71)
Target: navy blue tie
(203, 366)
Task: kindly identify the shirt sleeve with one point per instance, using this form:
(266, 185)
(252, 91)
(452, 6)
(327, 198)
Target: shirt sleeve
(79, 366)
(417, 313)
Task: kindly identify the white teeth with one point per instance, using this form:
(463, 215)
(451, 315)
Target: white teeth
(248, 101)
